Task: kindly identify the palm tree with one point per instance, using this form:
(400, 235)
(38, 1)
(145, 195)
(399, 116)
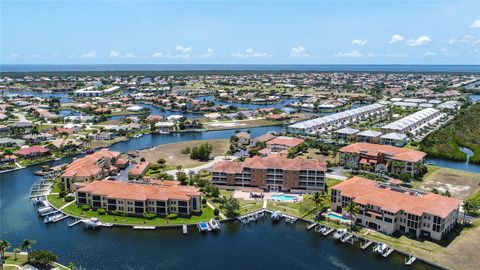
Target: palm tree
(15, 252)
(27, 245)
(352, 210)
(4, 245)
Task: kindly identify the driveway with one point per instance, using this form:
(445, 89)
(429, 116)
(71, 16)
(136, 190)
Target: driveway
(202, 167)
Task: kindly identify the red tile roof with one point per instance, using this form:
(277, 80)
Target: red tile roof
(366, 191)
(139, 192)
(86, 166)
(32, 150)
(398, 153)
(271, 162)
(139, 168)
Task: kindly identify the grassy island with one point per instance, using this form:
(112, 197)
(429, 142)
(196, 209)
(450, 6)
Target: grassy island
(462, 131)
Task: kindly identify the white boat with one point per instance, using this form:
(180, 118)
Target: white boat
(53, 218)
(323, 230)
(339, 233)
(203, 226)
(214, 224)
(46, 209)
(276, 216)
(184, 229)
(138, 135)
(380, 248)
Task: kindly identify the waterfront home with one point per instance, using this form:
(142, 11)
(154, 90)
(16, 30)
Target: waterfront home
(263, 138)
(346, 134)
(337, 120)
(62, 144)
(165, 127)
(281, 143)
(414, 122)
(33, 151)
(243, 138)
(368, 136)
(94, 91)
(102, 136)
(136, 199)
(390, 208)
(394, 139)
(396, 159)
(138, 170)
(275, 173)
(212, 116)
(90, 167)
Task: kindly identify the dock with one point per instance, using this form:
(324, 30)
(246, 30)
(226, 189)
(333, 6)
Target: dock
(329, 231)
(410, 260)
(367, 244)
(144, 227)
(346, 238)
(77, 221)
(311, 226)
(388, 252)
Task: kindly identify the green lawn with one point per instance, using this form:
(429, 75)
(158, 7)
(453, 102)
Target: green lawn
(247, 206)
(10, 259)
(77, 211)
(54, 200)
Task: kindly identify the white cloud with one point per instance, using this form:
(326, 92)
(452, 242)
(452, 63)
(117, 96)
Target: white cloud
(91, 54)
(420, 41)
(395, 39)
(451, 41)
(182, 50)
(475, 24)
(113, 54)
(14, 55)
(444, 50)
(360, 42)
(396, 55)
(157, 55)
(208, 54)
(352, 54)
(299, 52)
(129, 55)
(250, 53)
(465, 39)
(429, 54)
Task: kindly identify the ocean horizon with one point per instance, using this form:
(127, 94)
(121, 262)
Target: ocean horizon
(12, 68)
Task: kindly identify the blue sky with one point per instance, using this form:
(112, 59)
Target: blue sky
(240, 32)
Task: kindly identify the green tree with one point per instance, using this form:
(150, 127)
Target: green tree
(15, 252)
(72, 266)
(4, 245)
(231, 207)
(27, 245)
(352, 210)
(182, 177)
(42, 258)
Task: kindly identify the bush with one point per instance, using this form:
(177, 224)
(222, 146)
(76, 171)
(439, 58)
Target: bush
(142, 159)
(204, 201)
(86, 207)
(101, 211)
(185, 151)
(161, 161)
(148, 215)
(172, 216)
(69, 198)
(414, 143)
(216, 212)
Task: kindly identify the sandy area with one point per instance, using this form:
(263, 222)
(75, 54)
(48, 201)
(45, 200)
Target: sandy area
(460, 184)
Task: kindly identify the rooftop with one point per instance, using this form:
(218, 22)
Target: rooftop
(397, 153)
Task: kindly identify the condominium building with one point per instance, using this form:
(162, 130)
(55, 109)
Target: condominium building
(93, 91)
(281, 143)
(90, 167)
(406, 160)
(391, 208)
(337, 120)
(136, 199)
(276, 173)
(414, 122)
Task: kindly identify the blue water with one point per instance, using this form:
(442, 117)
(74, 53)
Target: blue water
(251, 106)
(284, 198)
(190, 67)
(63, 96)
(334, 216)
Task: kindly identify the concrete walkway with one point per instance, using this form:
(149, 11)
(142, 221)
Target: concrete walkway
(213, 207)
(66, 205)
(12, 265)
(202, 167)
(335, 176)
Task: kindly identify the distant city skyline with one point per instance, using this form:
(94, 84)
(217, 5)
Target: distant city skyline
(234, 32)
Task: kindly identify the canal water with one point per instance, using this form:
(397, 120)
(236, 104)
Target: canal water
(260, 245)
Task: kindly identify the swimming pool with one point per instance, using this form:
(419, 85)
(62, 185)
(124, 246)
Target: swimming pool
(284, 198)
(336, 216)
